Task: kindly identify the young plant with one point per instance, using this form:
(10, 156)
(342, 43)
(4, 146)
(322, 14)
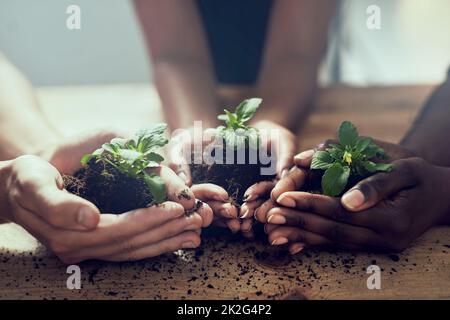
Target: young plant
(236, 133)
(350, 159)
(133, 156)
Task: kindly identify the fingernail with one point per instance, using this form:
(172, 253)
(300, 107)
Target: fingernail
(296, 248)
(188, 245)
(265, 229)
(286, 201)
(304, 155)
(220, 198)
(87, 218)
(234, 229)
(280, 241)
(353, 199)
(182, 176)
(284, 173)
(276, 219)
(245, 214)
(249, 197)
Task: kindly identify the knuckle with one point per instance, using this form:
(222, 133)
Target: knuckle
(334, 232)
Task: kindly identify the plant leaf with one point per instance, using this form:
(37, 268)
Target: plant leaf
(377, 167)
(321, 160)
(85, 160)
(347, 134)
(362, 144)
(247, 109)
(335, 179)
(152, 156)
(156, 186)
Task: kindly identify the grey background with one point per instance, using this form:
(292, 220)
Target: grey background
(412, 46)
(107, 49)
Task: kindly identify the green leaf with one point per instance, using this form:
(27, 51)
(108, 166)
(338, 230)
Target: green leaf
(247, 109)
(335, 179)
(372, 150)
(108, 147)
(148, 139)
(152, 156)
(156, 186)
(130, 155)
(119, 142)
(85, 160)
(321, 160)
(222, 117)
(377, 167)
(347, 134)
(362, 144)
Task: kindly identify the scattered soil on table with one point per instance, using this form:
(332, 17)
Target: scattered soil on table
(109, 189)
(235, 178)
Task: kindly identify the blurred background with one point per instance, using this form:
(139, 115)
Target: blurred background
(411, 47)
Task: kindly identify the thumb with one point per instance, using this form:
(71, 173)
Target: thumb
(368, 192)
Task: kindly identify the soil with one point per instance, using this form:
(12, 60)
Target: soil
(234, 178)
(109, 189)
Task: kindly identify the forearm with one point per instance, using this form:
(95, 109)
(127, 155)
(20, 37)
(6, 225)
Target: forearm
(428, 137)
(187, 91)
(287, 87)
(23, 128)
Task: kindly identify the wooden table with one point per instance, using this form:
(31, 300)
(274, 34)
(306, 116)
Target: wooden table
(226, 267)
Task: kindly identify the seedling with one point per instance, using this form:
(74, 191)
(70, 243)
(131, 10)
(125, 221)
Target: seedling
(133, 156)
(351, 159)
(236, 133)
(239, 139)
(115, 177)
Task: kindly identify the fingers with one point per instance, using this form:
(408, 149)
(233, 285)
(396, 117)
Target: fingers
(368, 192)
(285, 156)
(168, 230)
(258, 190)
(247, 210)
(186, 240)
(177, 190)
(261, 212)
(295, 179)
(304, 158)
(209, 191)
(325, 206)
(36, 186)
(234, 225)
(332, 230)
(283, 235)
(206, 213)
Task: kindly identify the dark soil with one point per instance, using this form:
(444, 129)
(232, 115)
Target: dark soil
(110, 190)
(234, 178)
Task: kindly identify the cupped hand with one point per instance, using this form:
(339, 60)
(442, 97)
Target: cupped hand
(394, 209)
(181, 147)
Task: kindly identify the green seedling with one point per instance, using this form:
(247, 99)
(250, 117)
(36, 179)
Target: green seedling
(352, 158)
(133, 156)
(236, 133)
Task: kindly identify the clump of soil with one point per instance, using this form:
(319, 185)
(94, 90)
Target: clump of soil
(235, 178)
(109, 189)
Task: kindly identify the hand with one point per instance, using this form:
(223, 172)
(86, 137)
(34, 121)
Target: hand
(395, 208)
(65, 155)
(284, 144)
(32, 195)
(225, 214)
(182, 144)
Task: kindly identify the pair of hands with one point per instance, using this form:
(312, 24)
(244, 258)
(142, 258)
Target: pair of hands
(33, 196)
(384, 212)
(283, 143)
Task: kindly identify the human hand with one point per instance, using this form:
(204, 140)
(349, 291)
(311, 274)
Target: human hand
(391, 209)
(32, 196)
(181, 147)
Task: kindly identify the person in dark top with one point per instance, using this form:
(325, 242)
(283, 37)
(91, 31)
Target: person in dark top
(273, 47)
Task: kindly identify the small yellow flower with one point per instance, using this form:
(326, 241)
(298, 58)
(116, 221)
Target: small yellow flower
(347, 157)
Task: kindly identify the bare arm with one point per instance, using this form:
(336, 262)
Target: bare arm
(23, 128)
(182, 66)
(428, 137)
(297, 39)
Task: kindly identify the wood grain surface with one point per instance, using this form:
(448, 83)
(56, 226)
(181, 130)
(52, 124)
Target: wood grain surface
(225, 266)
